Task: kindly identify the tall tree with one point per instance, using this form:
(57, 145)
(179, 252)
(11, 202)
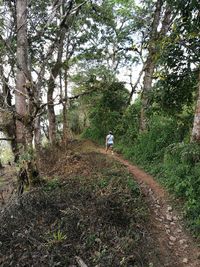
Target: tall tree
(161, 18)
(24, 99)
(22, 76)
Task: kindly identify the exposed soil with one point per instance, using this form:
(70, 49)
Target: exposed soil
(91, 212)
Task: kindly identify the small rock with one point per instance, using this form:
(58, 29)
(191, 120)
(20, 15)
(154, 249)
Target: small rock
(198, 256)
(156, 212)
(185, 260)
(98, 240)
(158, 219)
(168, 231)
(171, 244)
(175, 218)
(172, 238)
(167, 226)
(169, 208)
(182, 241)
(169, 217)
(179, 231)
(172, 223)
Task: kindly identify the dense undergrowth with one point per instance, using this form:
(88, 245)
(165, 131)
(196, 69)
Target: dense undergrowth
(100, 218)
(175, 162)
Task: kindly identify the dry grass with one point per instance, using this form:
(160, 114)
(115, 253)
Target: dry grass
(90, 207)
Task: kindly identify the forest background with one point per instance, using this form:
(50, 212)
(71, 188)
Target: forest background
(69, 56)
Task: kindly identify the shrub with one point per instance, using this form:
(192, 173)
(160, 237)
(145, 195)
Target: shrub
(182, 177)
(150, 146)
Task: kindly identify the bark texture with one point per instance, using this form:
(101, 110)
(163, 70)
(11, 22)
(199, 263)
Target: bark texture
(150, 65)
(153, 50)
(66, 131)
(51, 86)
(24, 99)
(195, 136)
(22, 70)
(7, 119)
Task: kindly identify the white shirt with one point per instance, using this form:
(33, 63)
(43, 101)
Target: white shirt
(110, 139)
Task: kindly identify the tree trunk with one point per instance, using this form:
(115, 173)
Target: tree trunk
(22, 71)
(150, 65)
(151, 58)
(195, 135)
(51, 111)
(66, 131)
(9, 128)
(37, 134)
(24, 99)
(51, 86)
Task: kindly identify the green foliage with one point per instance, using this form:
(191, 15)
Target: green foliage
(127, 130)
(56, 238)
(182, 177)
(52, 184)
(107, 112)
(59, 236)
(150, 146)
(6, 154)
(171, 91)
(133, 187)
(26, 157)
(176, 164)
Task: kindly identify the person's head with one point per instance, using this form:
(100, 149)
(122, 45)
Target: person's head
(110, 132)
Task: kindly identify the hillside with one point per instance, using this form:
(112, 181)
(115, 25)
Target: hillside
(90, 212)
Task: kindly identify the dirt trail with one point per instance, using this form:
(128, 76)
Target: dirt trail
(173, 239)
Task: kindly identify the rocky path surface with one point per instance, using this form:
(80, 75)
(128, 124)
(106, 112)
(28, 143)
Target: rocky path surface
(173, 238)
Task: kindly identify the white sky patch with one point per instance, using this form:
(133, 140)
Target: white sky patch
(124, 76)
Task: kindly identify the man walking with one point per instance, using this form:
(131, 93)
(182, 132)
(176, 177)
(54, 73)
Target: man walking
(109, 142)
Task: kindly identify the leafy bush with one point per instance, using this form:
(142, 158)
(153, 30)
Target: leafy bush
(107, 111)
(163, 153)
(150, 146)
(182, 177)
(127, 130)
(52, 184)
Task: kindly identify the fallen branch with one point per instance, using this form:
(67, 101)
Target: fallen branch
(80, 262)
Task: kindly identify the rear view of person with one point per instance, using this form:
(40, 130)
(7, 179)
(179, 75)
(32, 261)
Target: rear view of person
(109, 142)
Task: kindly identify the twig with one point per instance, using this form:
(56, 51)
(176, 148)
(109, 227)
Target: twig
(80, 262)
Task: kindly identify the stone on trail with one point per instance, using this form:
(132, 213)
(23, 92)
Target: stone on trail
(172, 238)
(185, 260)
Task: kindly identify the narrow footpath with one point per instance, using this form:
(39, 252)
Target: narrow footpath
(173, 238)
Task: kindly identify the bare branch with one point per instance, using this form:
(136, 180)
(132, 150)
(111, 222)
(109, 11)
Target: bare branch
(7, 139)
(134, 87)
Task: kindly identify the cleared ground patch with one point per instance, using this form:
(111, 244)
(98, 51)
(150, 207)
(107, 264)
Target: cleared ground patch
(90, 208)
